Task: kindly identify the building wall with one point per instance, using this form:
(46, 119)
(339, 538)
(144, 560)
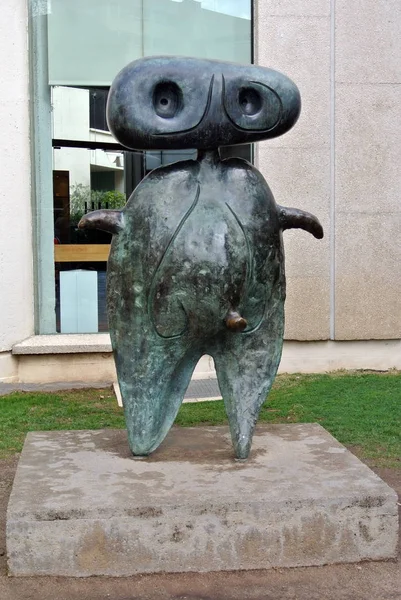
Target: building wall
(367, 169)
(16, 256)
(341, 162)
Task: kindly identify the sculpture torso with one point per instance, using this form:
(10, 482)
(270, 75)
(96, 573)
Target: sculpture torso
(200, 238)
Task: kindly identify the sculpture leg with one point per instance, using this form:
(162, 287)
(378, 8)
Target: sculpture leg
(153, 376)
(246, 366)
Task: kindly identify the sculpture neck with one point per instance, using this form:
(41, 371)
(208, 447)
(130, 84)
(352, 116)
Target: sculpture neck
(211, 157)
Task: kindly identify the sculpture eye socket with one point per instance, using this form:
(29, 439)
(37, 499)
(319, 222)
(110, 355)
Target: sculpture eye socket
(167, 99)
(251, 105)
(250, 101)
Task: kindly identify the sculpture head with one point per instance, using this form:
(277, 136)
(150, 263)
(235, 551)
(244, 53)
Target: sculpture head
(163, 102)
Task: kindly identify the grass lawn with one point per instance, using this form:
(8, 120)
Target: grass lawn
(362, 410)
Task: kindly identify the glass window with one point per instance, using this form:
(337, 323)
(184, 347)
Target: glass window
(88, 174)
(97, 110)
(78, 46)
(91, 40)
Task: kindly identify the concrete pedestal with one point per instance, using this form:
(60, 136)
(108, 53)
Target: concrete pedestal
(81, 505)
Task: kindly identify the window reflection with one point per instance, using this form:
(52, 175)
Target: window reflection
(84, 179)
(234, 8)
(89, 180)
(91, 40)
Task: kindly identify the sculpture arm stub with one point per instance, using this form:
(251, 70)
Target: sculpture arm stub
(111, 221)
(293, 218)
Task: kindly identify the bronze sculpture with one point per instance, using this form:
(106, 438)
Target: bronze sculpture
(196, 264)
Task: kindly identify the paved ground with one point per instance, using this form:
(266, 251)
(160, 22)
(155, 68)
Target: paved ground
(366, 581)
(198, 389)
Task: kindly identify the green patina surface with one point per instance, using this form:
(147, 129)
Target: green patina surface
(196, 264)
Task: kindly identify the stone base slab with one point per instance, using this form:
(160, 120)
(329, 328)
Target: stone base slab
(81, 505)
